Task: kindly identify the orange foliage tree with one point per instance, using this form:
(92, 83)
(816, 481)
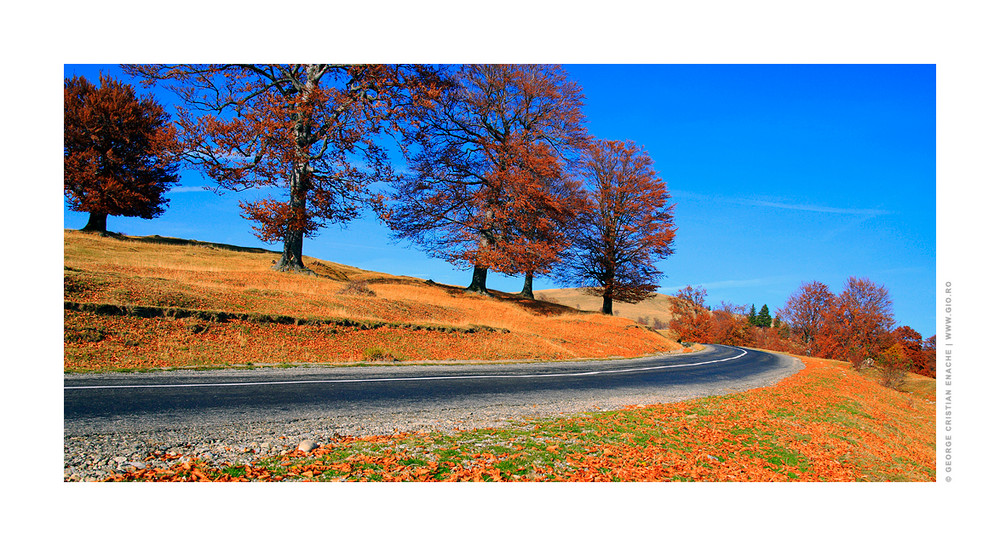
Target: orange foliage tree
(804, 312)
(911, 343)
(731, 328)
(693, 324)
(627, 227)
(692, 295)
(117, 151)
(307, 129)
(491, 160)
(546, 228)
(929, 360)
(692, 320)
(892, 364)
(858, 323)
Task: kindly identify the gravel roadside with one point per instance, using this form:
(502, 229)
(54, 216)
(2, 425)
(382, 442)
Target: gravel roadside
(94, 453)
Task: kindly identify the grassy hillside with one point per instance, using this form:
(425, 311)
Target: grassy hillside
(658, 307)
(154, 302)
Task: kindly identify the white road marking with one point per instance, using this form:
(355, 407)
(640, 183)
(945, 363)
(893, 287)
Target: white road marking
(388, 379)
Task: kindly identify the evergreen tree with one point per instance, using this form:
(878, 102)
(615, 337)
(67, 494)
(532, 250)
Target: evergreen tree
(752, 316)
(764, 317)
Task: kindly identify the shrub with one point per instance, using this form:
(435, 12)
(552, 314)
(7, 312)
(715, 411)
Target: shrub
(892, 365)
(357, 288)
(378, 354)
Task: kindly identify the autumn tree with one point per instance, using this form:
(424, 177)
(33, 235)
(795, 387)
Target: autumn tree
(694, 325)
(911, 343)
(892, 364)
(805, 309)
(732, 308)
(858, 323)
(694, 296)
(490, 162)
(929, 359)
(692, 321)
(309, 130)
(628, 226)
(117, 152)
(546, 228)
(730, 328)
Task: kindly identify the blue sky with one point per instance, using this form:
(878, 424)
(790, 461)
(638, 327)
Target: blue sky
(780, 174)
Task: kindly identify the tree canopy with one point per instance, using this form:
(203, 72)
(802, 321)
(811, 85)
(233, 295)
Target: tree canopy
(117, 151)
(805, 308)
(490, 160)
(858, 323)
(627, 226)
(307, 129)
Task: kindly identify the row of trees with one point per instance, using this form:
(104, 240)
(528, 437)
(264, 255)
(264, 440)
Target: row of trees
(856, 325)
(502, 174)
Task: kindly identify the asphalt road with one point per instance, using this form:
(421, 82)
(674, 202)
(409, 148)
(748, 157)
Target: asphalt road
(151, 400)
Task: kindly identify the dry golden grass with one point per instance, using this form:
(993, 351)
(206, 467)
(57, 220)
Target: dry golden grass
(659, 306)
(160, 272)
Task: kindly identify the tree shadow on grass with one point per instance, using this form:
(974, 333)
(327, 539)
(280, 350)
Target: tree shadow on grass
(537, 307)
(157, 239)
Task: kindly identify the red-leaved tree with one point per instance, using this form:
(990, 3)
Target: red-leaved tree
(628, 226)
(804, 311)
(929, 360)
(858, 323)
(911, 343)
(731, 328)
(692, 321)
(546, 228)
(117, 152)
(308, 130)
(491, 158)
(692, 295)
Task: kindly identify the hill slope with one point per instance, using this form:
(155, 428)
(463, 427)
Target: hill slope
(154, 302)
(659, 307)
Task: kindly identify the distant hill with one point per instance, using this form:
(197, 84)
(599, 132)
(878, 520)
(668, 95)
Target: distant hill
(659, 307)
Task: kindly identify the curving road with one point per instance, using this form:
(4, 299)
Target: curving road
(107, 402)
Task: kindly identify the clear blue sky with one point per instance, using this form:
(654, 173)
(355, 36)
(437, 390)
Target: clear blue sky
(780, 174)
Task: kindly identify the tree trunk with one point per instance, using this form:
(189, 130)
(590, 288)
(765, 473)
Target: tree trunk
(291, 254)
(478, 285)
(299, 186)
(606, 309)
(98, 222)
(527, 291)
